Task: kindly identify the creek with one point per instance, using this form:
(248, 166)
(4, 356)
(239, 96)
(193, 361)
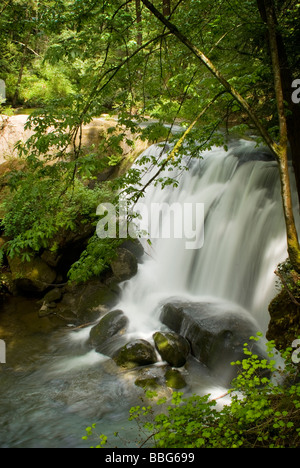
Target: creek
(53, 387)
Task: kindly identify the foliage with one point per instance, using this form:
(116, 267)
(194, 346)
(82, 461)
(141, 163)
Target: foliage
(43, 206)
(77, 60)
(263, 411)
(94, 259)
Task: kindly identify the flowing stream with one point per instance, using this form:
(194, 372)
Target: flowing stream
(52, 387)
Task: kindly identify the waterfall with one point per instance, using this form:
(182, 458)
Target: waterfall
(244, 237)
(56, 385)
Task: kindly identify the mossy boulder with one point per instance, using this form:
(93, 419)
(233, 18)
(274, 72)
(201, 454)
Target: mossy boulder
(173, 348)
(86, 302)
(113, 323)
(31, 276)
(134, 354)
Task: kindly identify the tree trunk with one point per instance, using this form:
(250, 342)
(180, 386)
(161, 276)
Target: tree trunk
(281, 150)
(292, 237)
(293, 117)
(139, 38)
(15, 98)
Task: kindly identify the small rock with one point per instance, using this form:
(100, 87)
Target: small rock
(174, 379)
(44, 311)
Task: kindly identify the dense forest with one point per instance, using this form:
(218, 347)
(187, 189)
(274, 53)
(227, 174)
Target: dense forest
(215, 70)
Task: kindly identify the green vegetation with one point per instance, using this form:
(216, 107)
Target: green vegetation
(78, 60)
(264, 411)
(182, 62)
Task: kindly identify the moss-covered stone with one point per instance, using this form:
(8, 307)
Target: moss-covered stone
(173, 348)
(88, 301)
(31, 276)
(284, 325)
(174, 379)
(148, 383)
(110, 325)
(134, 354)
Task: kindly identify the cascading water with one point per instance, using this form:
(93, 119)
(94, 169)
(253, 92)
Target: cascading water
(244, 237)
(55, 386)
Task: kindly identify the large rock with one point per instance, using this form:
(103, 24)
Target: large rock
(125, 265)
(135, 247)
(31, 276)
(216, 332)
(173, 348)
(86, 302)
(113, 323)
(134, 354)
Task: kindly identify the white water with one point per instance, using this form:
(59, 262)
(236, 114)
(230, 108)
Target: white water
(244, 238)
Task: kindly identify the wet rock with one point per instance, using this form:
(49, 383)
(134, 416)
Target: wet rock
(135, 247)
(113, 323)
(173, 348)
(88, 301)
(134, 354)
(44, 310)
(55, 295)
(216, 331)
(174, 379)
(125, 265)
(148, 383)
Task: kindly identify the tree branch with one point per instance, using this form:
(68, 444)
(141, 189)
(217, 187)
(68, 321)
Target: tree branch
(27, 47)
(205, 60)
(178, 144)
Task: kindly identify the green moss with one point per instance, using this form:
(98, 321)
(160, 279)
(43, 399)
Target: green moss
(284, 324)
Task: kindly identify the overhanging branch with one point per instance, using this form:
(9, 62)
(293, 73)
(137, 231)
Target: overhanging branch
(205, 60)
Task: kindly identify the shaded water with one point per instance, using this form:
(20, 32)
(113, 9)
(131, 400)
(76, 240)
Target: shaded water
(53, 386)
